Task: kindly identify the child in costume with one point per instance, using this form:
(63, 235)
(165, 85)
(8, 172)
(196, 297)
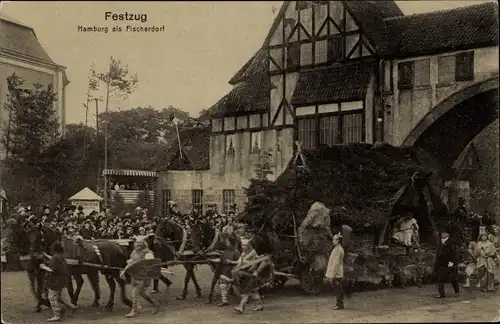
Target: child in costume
(141, 252)
(470, 264)
(57, 279)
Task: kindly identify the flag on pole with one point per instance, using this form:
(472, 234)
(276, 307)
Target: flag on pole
(175, 121)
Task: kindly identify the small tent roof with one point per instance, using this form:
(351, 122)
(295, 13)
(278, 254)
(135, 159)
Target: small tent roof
(86, 194)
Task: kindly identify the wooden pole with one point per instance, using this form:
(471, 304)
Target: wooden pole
(108, 81)
(97, 139)
(178, 139)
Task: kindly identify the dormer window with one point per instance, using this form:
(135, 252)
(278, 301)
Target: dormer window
(230, 144)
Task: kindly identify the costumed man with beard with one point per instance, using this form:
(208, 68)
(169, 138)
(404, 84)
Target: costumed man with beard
(140, 252)
(229, 258)
(446, 266)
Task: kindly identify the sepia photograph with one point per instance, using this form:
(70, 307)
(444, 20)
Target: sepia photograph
(249, 161)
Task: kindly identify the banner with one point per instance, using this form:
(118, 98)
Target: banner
(88, 205)
(146, 269)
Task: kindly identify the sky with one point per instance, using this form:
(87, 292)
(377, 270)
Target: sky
(188, 65)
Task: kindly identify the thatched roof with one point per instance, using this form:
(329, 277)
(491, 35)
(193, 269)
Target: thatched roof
(359, 182)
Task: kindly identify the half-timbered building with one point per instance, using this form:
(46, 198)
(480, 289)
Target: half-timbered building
(337, 72)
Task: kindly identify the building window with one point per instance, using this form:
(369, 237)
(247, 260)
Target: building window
(306, 18)
(405, 75)
(165, 198)
(352, 128)
(293, 56)
(320, 13)
(321, 53)
(446, 69)
(197, 200)
(464, 66)
(307, 132)
(422, 74)
(228, 199)
(255, 142)
(328, 130)
(335, 48)
(306, 54)
(230, 142)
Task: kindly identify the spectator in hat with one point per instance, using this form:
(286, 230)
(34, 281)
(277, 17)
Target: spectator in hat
(335, 270)
(209, 215)
(446, 266)
(87, 232)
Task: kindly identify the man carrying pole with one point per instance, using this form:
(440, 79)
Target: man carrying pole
(140, 279)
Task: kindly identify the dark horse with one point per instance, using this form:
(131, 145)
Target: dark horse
(172, 241)
(17, 238)
(104, 252)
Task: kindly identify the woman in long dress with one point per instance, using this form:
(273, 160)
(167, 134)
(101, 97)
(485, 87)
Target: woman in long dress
(494, 238)
(486, 254)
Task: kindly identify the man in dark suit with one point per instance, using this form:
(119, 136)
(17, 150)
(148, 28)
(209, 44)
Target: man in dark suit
(446, 267)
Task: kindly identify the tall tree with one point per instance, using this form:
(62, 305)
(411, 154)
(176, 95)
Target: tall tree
(33, 128)
(118, 84)
(34, 124)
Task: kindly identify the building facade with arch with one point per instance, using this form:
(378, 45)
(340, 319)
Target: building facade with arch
(337, 72)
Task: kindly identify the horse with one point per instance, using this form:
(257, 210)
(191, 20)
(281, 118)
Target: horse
(174, 243)
(16, 238)
(113, 259)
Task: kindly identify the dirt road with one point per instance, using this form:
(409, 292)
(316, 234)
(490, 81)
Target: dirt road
(396, 305)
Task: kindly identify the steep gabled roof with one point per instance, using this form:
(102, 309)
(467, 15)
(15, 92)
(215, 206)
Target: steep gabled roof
(195, 147)
(251, 96)
(370, 15)
(252, 66)
(21, 39)
(440, 31)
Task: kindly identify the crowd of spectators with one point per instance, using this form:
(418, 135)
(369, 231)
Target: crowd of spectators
(72, 221)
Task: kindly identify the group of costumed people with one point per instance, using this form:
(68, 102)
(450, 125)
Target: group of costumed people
(482, 256)
(483, 259)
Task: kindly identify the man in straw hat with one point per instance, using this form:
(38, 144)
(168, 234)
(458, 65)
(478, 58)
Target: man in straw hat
(446, 266)
(140, 252)
(335, 269)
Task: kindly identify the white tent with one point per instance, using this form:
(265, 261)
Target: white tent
(89, 200)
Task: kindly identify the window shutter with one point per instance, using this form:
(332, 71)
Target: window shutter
(405, 75)
(293, 56)
(464, 66)
(335, 48)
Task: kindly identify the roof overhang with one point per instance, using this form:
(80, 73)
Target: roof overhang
(130, 173)
(30, 59)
